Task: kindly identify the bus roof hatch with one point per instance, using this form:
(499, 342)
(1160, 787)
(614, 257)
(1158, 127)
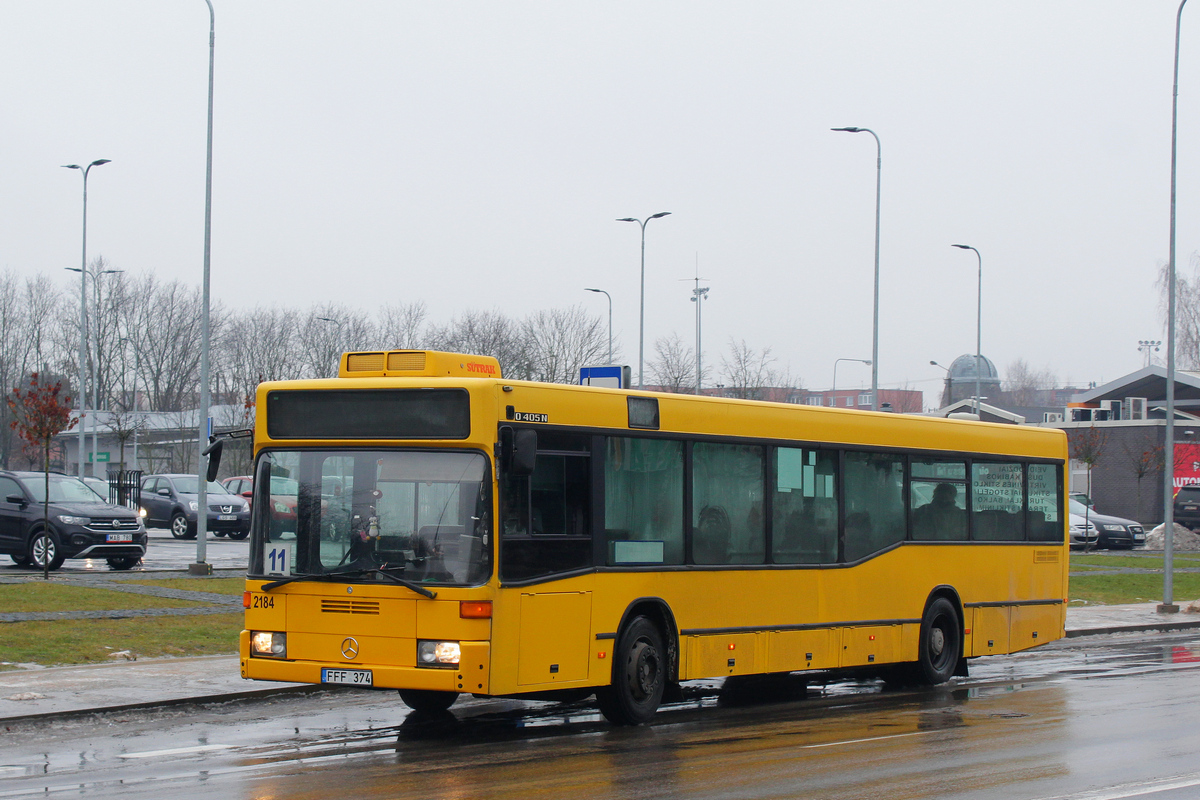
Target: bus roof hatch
(417, 363)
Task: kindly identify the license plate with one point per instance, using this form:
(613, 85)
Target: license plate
(227, 517)
(1189, 508)
(352, 677)
(118, 537)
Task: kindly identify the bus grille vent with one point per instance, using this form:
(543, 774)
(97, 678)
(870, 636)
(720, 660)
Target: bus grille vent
(407, 360)
(364, 362)
(370, 607)
(1045, 556)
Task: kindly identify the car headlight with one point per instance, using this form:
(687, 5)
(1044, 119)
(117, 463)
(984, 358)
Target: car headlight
(1113, 527)
(69, 520)
(194, 506)
(142, 513)
(268, 644)
(438, 654)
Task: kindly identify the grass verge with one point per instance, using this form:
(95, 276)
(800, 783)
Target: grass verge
(95, 640)
(230, 586)
(1132, 588)
(1189, 560)
(41, 596)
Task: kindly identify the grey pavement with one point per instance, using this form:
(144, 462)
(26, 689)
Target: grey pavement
(30, 693)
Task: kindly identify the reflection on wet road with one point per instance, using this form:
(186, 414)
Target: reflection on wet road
(1109, 717)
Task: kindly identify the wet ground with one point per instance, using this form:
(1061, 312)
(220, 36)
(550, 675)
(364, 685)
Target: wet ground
(1094, 717)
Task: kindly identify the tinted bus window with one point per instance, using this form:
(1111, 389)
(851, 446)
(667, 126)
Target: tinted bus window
(938, 496)
(997, 502)
(643, 501)
(1045, 504)
(727, 504)
(805, 506)
(875, 515)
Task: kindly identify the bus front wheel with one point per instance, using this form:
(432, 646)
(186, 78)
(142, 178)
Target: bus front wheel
(639, 675)
(941, 643)
(427, 701)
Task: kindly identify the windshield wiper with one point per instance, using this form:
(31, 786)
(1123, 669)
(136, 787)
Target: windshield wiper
(353, 573)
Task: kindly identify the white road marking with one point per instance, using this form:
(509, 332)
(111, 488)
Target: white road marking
(870, 739)
(178, 751)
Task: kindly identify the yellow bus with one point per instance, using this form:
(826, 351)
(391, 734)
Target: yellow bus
(449, 531)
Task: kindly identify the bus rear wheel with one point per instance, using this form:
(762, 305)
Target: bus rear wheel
(941, 643)
(427, 701)
(639, 675)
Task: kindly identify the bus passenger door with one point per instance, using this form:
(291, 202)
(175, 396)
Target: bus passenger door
(555, 627)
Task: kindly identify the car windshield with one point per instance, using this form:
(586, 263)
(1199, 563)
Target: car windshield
(284, 486)
(417, 515)
(1080, 509)
(63, 489)
(191, 485)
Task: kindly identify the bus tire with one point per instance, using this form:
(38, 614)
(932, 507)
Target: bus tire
(639, 675)
(427, 701)
(940, 644)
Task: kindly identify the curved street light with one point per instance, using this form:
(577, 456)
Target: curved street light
(875, 316)
(642, 302)
(833, 391)
(609, 296)
(82, 392)
(978, 325)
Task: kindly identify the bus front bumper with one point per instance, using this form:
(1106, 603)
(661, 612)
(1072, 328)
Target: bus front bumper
(471, 676)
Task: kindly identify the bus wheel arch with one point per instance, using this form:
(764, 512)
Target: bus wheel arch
(645, 663)
(940, 644)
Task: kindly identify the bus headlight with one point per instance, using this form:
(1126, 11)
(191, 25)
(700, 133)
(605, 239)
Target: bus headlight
(438, 654)
(268, 644)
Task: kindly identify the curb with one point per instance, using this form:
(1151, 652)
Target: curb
(252, 694)
(1150, 626)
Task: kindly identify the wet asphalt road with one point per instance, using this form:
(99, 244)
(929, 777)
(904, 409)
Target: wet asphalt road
(1090, 718)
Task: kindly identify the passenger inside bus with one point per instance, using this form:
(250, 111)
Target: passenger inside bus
(941, 518)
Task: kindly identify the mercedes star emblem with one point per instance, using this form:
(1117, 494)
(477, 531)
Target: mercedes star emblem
(350, 647)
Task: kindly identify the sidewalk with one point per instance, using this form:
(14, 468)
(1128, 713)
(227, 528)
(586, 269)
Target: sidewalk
(128, 685)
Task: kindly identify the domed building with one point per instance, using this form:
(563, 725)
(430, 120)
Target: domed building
(960, 379)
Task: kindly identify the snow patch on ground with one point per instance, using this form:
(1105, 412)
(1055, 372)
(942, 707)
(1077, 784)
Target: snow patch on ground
(1183, 539)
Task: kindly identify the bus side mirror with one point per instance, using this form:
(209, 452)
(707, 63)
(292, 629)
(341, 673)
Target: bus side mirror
(213, 451)
(518, 450)
(524, 457)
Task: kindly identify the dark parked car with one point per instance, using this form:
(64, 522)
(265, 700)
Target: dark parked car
(1114, 532)
(171, 502)
(1187, 506)
(81, 524)
(284, 492)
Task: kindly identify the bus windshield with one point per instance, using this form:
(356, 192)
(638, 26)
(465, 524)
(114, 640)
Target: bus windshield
(419, 515)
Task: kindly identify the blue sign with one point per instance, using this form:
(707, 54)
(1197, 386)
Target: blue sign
(610, 377)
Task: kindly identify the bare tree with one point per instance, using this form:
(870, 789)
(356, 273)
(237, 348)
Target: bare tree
(673, 367)
(166, 326)
(560, 341)
(1087, 447)
(256, 346)
(486, 333)
(1187, 311)
(1026, 386)
(748, 371)
(327, 331)
(402, 327)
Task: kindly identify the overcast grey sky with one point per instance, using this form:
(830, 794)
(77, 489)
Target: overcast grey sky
(476, 155)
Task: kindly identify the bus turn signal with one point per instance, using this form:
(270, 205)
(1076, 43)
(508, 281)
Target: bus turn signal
(475, 609)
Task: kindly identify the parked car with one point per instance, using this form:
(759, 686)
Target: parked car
(81, 525)
(1112, 532)
(1083, 532)
(99, 486)
(284, 492)
(170, 502)
(1187, 506)
(1082, 498)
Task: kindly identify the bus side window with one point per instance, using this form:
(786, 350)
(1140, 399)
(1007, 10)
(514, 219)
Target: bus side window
(875, 508)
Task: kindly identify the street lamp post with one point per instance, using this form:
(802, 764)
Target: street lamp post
(95, 357)
(83, 309)
(201, 567)
(978, 325)
(698, 294)
(875, 316)
(642, 302)
(833, 391)
(1148, 345)
(337, 322)
(609, 296)
(1168, 605)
